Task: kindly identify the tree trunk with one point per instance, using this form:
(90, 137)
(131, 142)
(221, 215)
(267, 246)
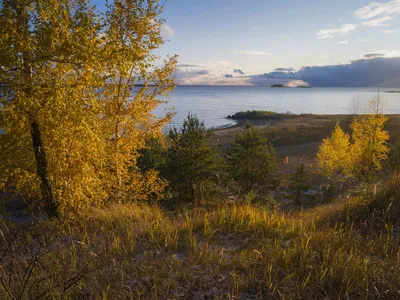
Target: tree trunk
(50, 204)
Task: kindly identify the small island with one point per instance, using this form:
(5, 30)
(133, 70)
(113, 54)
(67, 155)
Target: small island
(279, 85)
(256, 115)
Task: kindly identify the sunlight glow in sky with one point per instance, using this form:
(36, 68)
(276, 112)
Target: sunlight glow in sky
(253, 37)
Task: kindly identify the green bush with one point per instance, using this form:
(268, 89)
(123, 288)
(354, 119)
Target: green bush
(299, 183)
(250, 197)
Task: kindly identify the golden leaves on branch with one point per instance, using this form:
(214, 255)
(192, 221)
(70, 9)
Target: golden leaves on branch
(93, 120)
(362, 155)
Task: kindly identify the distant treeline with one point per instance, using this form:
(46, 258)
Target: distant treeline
(256, 115)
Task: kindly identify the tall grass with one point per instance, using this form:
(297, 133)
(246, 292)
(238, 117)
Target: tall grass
(139, 252)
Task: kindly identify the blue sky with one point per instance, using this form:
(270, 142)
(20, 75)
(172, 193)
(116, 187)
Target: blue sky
(214, 37)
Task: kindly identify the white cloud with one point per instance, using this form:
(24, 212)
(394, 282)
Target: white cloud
(206, 72)
(218, 64)
(167, 30)
(296, 83)
(391, 31)
(249, 52)
(376, 9)
(345, 29)
(344, 42)
(377, 22)
(391, 53)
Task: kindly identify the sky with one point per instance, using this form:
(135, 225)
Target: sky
(257, 42)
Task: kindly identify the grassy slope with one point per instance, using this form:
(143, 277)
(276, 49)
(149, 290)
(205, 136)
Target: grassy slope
(342, 250)
(139, 252)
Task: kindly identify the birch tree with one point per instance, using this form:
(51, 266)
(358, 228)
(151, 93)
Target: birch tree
(71, 126)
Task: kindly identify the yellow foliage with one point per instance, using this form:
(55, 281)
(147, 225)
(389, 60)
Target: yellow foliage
(359, 158)
(369, 148)
(333, 153)
(76, 79)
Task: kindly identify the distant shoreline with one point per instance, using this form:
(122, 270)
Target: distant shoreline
(214, 103)
(240, 123)
(267, 122)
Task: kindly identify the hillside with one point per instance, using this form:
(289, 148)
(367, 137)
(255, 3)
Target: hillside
(346, 247)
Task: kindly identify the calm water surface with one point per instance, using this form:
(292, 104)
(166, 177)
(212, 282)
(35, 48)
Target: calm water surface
(213, 103)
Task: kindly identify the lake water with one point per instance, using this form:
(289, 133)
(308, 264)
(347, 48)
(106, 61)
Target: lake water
(213, 103)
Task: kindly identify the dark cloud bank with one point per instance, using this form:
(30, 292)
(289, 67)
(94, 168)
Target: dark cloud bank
(376, 71)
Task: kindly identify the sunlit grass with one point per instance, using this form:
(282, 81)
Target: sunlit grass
(140, 252)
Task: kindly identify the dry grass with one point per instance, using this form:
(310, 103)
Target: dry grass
(348, 249)
(233, 252)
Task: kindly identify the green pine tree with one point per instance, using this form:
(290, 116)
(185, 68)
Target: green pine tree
(251, 159)
(153, 156)
(193, 163)
(299, 182)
